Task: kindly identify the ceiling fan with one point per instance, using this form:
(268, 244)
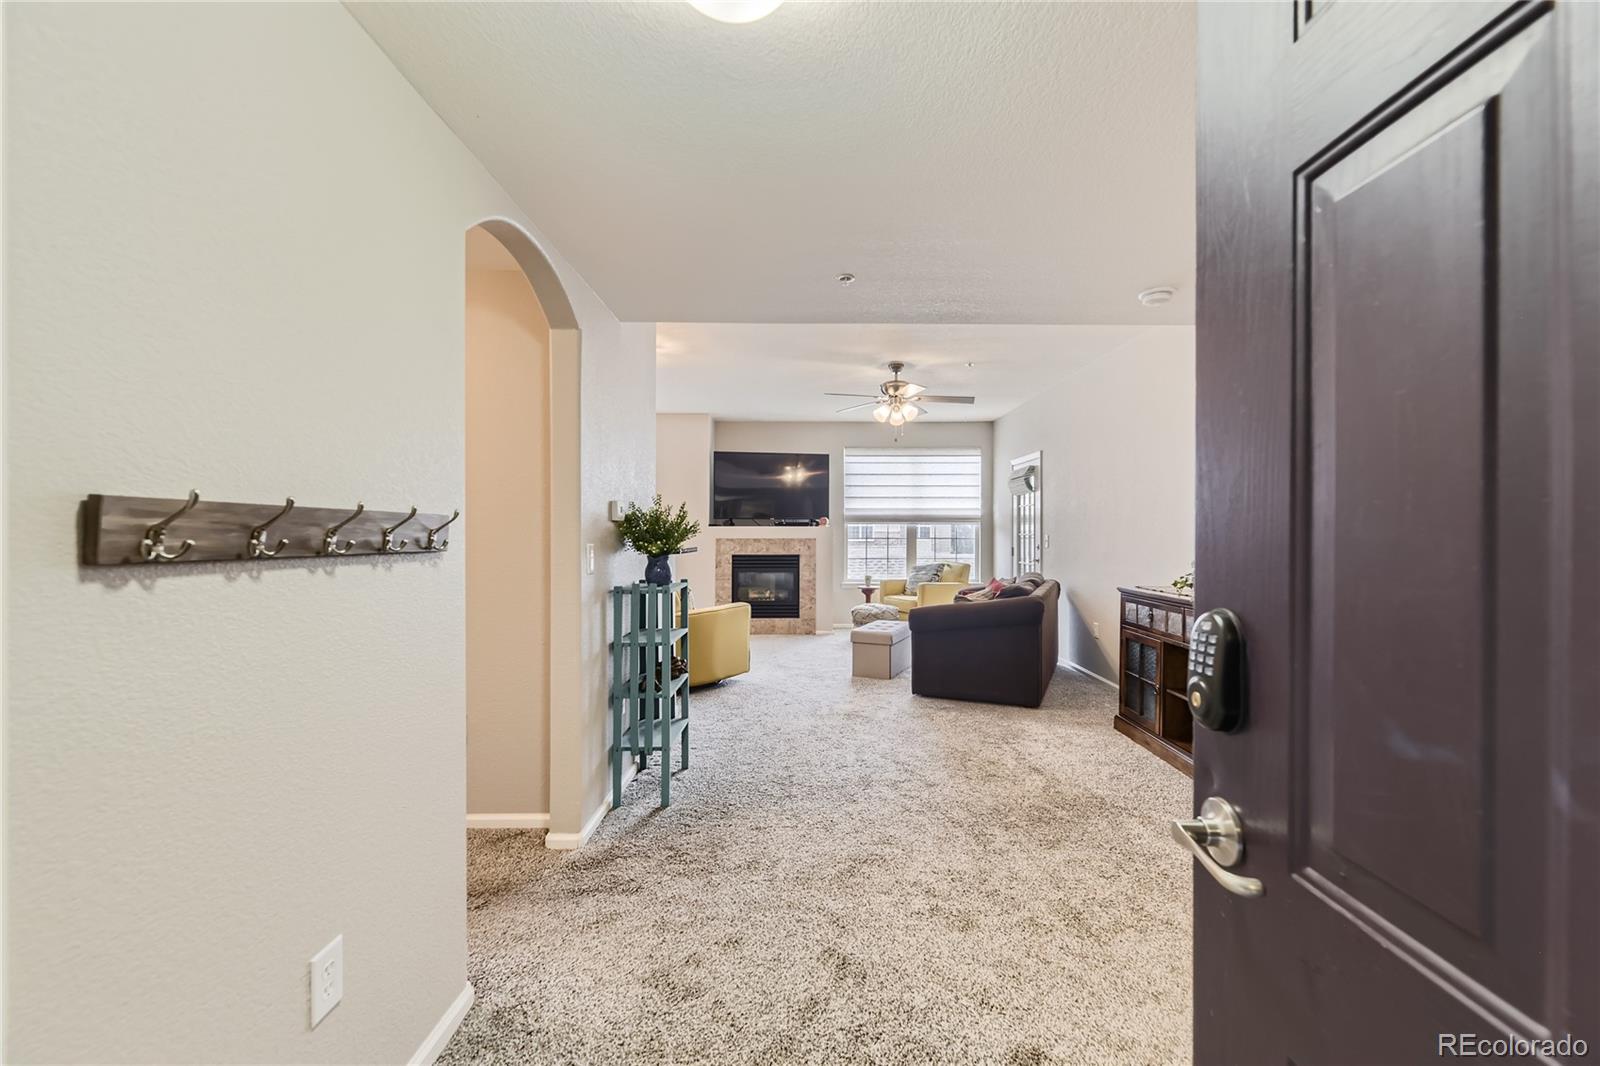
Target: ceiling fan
(897, 401)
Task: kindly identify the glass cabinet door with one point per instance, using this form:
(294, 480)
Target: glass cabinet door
(1141, 679)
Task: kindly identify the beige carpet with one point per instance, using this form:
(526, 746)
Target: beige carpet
(850, 874)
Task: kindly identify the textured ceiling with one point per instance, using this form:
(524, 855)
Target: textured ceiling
(780, 372)
(994, 163)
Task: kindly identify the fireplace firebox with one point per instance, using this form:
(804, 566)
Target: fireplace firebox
(770, 584)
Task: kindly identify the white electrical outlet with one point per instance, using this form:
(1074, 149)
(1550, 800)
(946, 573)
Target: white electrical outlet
(1096, 630)
(588, 558)
(327, 979)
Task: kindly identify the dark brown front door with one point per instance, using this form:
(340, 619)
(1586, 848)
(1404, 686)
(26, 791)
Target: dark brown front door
(1398, 475)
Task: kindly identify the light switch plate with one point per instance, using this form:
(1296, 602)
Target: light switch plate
(617, 511)
(327, 979)
(588, 558)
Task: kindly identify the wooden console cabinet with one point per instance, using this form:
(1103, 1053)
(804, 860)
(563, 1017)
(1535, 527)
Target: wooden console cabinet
(1152, 673)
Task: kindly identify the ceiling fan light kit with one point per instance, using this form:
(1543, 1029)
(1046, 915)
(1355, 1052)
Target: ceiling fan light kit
(894, 402)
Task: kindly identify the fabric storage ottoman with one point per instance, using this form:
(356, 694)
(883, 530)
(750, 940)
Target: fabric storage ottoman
(880, 649)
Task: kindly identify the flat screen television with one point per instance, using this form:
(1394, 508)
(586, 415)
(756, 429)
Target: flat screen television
(761, 487)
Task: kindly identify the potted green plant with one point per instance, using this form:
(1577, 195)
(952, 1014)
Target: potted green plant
(658, 532)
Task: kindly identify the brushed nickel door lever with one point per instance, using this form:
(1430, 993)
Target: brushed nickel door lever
(1216, 839)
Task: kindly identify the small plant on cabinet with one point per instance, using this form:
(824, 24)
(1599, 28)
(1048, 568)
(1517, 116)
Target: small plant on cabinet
(657, 531)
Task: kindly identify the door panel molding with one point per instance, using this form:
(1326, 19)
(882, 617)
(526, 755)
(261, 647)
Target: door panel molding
(1418, 855)
(1428, 964)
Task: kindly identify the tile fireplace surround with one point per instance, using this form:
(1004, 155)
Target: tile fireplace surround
(728, 547)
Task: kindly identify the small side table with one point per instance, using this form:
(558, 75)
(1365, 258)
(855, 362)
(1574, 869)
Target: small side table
(867, 591)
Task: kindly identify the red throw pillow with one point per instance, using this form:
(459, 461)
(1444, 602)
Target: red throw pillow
(995, 585)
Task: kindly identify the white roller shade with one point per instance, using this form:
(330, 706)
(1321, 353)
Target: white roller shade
(909, 483)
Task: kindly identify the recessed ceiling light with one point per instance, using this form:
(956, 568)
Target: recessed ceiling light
(1157, 296)
(735, 10)
(971, 365)
(846, 279)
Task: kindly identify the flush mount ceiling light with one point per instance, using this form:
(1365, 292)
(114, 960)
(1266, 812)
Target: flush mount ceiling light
(1157, 296)
(735, 10)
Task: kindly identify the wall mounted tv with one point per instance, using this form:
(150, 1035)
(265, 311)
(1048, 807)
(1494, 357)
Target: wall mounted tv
(768, 488)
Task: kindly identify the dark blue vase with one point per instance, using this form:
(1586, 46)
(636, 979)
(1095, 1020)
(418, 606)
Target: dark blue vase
(658, 571)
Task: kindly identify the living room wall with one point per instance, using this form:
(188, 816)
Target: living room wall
(1116, 434)
(833, 438)
(683, 475)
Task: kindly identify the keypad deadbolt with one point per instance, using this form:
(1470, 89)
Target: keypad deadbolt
(1216, 671)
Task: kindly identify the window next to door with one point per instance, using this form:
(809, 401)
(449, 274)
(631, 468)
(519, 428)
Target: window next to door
(906, 506)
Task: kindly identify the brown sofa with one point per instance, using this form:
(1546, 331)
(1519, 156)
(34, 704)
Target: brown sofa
(994, 651)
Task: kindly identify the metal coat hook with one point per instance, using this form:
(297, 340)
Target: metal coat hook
(258, 535)
(154, 546)
(429, 545)
(388, 544)
(330, 539)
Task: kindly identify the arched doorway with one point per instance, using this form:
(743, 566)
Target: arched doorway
(521, 345)
(507, 564)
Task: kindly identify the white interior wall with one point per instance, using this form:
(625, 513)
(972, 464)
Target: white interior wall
(234, 263)
(683, 475)
(618, 462)
(833, 438)
(508, 586)
(1117, 437)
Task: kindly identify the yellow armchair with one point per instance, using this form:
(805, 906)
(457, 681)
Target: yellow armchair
(952, 579)
(719, 642)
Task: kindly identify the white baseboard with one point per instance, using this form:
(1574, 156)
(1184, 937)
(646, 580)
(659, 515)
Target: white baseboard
(508, 821)
(446, 1028)
(1075, 668)
(573, 841)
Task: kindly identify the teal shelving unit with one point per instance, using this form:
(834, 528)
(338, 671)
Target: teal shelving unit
(649, 707)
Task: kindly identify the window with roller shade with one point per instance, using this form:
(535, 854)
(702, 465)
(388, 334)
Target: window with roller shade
(906, 506)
